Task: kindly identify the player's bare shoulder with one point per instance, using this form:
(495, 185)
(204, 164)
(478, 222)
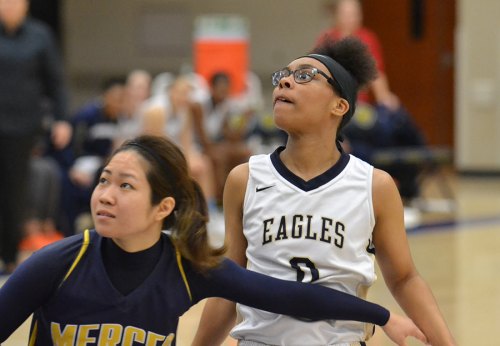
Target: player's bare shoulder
(382, 180)
(384, 190)
(237, 180)
(239, 174)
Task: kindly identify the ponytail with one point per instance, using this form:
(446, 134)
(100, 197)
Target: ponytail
(190, 234)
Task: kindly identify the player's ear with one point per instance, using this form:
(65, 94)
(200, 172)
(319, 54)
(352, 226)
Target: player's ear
(340, 106)
(165, 208)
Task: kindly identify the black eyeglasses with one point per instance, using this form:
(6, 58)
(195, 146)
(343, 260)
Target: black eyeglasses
(301, 75)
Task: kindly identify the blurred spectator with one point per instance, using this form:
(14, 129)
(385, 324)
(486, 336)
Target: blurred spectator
(137, 91)
(381, 137)
(222, 125)
(160, 83)
(347, 19)
(30, 75)
(95, 124)
(380, 121)
(169, 114)
(42, 207)
(95, 133)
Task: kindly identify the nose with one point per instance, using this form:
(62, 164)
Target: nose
(285, 82)
(107, 196)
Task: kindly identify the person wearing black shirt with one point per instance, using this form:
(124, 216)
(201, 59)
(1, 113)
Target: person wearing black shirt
(30, 75)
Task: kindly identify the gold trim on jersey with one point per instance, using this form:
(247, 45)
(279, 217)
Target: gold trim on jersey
(183, 273)
(34, 332)
(83, 249)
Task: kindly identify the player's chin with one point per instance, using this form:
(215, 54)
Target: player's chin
(282, 122)
(105, 230)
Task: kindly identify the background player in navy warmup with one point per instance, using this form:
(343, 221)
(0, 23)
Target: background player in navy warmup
(127, 282)
(311, 212)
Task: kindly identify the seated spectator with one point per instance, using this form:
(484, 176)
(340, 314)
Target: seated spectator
(137, 91)
(222, 124)
(169, 114)
(373, 129)
(94, 136)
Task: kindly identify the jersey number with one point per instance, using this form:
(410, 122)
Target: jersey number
(298, 262)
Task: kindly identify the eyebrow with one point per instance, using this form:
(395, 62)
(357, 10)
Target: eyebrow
(121, 175)
(303, 65)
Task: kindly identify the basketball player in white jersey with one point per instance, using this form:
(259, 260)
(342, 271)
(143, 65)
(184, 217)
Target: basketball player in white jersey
(310, 212)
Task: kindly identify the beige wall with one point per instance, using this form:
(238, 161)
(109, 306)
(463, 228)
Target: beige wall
(104, 38)
(477, 93)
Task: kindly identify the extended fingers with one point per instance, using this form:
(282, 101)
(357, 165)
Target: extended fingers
(420, 336)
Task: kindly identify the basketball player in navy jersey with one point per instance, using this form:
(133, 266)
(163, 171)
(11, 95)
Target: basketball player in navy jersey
(313, 213)
(127, 282)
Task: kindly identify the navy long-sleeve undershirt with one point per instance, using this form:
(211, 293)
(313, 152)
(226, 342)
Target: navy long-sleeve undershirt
(36, 280)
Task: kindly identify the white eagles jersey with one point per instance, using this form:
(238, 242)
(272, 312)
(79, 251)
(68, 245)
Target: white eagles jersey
(316, 231)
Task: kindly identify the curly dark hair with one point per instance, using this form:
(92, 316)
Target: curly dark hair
(353, 55)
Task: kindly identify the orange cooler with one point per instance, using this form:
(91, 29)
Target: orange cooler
(221, 45)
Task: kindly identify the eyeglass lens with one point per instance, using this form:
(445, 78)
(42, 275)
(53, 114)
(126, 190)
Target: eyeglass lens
(301, 75)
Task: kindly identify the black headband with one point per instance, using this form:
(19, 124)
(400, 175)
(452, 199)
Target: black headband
(346, 83)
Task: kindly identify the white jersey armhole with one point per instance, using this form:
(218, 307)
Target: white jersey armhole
(370, 195)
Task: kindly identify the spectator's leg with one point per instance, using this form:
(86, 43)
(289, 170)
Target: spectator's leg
(15, 152)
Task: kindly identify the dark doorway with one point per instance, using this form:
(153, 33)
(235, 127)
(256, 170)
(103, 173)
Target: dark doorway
(418, 41)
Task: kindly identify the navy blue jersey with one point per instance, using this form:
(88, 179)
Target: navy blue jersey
(75, 303)
(87, 308)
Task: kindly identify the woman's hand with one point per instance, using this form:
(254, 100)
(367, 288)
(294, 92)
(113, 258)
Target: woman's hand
(398, 328)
